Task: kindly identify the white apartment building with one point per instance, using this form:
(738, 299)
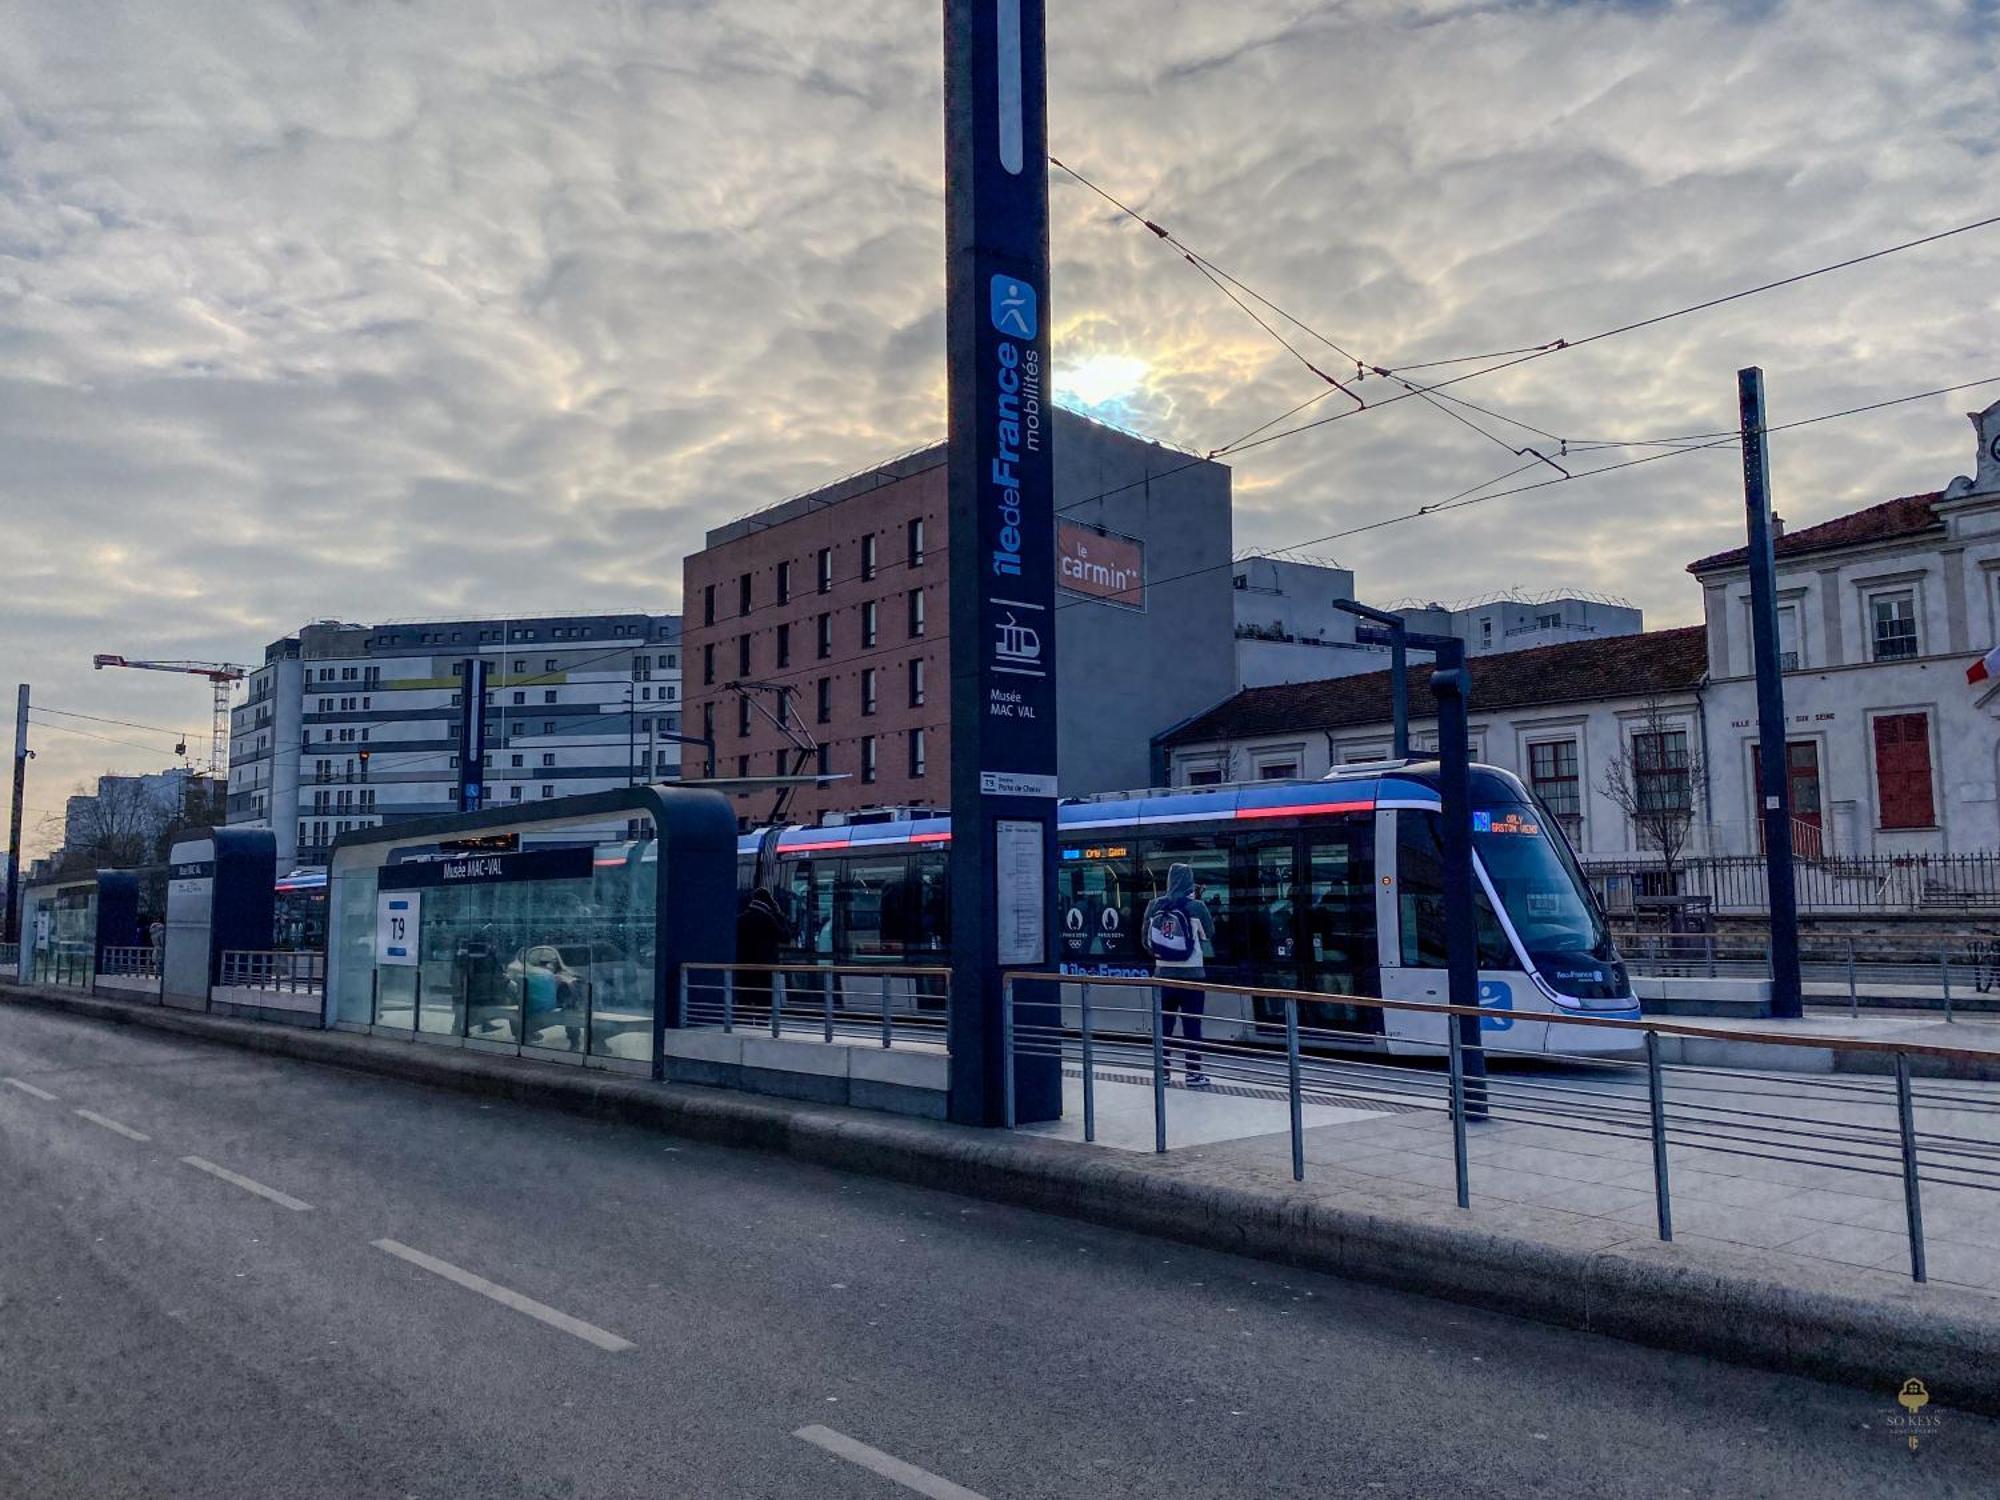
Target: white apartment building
(351, 726)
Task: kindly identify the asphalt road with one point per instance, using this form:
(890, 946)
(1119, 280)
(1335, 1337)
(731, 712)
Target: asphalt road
(649, 1317)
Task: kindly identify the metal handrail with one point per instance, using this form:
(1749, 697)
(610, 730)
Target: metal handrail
(283, 970)
(923, 971)
(762, 1006)
(130, 962)
(1724, 1125)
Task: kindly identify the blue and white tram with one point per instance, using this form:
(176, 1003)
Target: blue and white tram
(1333, 887)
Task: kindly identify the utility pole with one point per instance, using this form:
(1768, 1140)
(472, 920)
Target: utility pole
(1398, 636)
(1452, 685)
(1773, 773)
(12, 921)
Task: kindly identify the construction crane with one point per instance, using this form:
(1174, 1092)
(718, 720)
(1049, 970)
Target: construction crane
(222, 676)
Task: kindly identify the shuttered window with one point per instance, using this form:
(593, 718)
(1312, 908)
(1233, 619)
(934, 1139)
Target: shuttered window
(1903, 770)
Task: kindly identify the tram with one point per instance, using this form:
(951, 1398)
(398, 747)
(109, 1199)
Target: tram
(1334, 887)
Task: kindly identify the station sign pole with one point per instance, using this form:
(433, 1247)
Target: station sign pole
(1001, 546)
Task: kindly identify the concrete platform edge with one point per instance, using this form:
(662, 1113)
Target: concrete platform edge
(1830, 1324)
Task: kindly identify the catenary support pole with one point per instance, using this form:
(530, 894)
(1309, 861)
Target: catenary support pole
(12, 922)
(1774, 799)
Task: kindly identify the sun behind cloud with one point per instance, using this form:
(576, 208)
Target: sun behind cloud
(1101, 382)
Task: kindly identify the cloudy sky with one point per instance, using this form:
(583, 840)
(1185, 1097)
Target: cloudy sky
(387, 310)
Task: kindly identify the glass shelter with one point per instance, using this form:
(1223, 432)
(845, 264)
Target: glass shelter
(558, 935)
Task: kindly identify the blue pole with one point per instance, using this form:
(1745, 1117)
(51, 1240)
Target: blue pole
(1774, 800)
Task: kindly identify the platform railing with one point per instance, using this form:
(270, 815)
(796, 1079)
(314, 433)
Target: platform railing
(72, 966)
(141, 962)
(1276, 1045)
(10, 959)
(904, 1005)
(1945, 968)
(284, 971)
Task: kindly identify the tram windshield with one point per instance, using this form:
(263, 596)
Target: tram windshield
(1543, 891)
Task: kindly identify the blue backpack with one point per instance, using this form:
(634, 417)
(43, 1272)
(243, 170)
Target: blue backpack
(1170, 932)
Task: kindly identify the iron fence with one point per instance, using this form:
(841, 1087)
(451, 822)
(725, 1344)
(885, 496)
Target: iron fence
(281, 970)
(1849, 1123)
(824, 1002)
(1917, 883)
(10, 958)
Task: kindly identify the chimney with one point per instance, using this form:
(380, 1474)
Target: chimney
(1777, 527)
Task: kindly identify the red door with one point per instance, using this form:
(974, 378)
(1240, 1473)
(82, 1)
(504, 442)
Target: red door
(1802, 780)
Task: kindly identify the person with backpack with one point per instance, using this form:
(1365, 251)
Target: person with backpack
(1176, 927)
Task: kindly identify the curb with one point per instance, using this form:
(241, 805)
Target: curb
(1780, 1316)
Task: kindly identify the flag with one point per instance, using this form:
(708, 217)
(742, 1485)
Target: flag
(1987, 666)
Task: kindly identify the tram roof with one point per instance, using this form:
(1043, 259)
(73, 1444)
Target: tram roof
(1349, 789)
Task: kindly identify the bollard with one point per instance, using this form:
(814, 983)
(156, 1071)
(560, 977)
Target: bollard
(1913, 1208)
(777, 1004)
(1159, 1075)
(826, 1003)
(1944, 973)
(1007, 1049)
(1708, 946)
(728, 999)
(1089, 1075)
(1853, 986)
(888, 1036)
(681, 1003)
(1656, 1089)
(1456, 1054)
(1292, 1084)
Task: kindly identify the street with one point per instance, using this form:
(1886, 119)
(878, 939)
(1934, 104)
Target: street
(226, 1275)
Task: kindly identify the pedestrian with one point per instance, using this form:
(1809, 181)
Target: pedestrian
(1176, 927)
(761, 935)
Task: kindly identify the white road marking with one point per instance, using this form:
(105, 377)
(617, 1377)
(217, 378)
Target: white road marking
(29, 1088)
(590, 1333)
(283, 1200)
(113, 1126)
(909, 1476)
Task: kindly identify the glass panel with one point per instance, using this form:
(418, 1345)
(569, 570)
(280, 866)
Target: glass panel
(1272, 921)
(1208, 856)
(1340, 924)
(870, 890)
(1099, 910)
(1420, 896)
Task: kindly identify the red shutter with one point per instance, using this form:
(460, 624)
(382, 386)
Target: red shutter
(1903, 770)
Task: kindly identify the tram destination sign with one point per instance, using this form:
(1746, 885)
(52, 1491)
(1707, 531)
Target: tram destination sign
(488, 869)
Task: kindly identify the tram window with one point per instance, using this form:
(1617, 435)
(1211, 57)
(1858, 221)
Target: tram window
(1208, 857)
(808, 901)
(1272, 918)
(1099, 914)
(1420, 889)
(922, 913)
(1340, 923)
(869, 893)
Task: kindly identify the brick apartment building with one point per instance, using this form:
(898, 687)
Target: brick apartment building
(841, 597)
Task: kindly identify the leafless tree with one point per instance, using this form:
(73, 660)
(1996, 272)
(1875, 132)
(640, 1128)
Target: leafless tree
(121, 824)
(1656, 781)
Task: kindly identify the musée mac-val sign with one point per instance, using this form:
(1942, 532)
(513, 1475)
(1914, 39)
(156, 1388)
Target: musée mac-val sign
(1101, 565)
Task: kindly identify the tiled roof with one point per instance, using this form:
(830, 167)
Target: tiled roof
(1907, 515)
(1619, 666)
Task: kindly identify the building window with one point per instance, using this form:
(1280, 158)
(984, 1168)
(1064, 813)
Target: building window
(743, 595)
(743, 656)
(548, 757)
(743, 717)
(708, 665)
(868, 624)
(867, 692)
(825, 711)
(708, 604)
(520, 698)
(917, 682)
(516, 760)
(825, 569)
(1278, 770)
(1205, 776)
(825, 629)
(520, 664)
(916, 541)
(548, 726)
(514, 792)
(708, 723)
(916, 613)
(784, 645)
(548, 664)
(1903, 770)
(1894, 617)
(547, 790)
(1549, 622)
(783, 714)
(825, 767)
(549, 696)
(742, 766)
(1553, 777)
(868, 760)
(1660, 771)
(784, 583)
(868, 557)
(919, 755)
